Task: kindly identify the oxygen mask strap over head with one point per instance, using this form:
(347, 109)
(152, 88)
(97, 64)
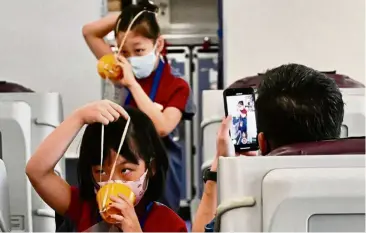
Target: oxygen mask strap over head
(115, 160)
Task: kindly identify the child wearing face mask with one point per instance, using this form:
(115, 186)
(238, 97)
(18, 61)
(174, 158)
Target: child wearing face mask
(148, 82)
(141, 165)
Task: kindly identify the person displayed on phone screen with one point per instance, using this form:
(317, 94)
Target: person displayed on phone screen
(240, 122)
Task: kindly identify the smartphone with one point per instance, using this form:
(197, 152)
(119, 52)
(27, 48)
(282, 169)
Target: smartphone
(239, 103)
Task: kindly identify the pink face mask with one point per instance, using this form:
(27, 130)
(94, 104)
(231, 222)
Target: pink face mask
(137, 186)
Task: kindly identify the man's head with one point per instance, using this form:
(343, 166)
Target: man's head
(297, 104)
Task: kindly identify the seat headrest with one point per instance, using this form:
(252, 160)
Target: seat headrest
(341, 80)
(6, 87)
(329, 147)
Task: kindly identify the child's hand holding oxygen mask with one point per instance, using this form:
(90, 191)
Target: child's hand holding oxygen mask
(102, 111)
(128, 79)
(117, 69)
(127, 220)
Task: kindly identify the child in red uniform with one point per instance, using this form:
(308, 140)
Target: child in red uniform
(142, 160)
(148, 82)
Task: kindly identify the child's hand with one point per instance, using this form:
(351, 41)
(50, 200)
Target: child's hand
(102, 111)
(128, 220)
(128, 79)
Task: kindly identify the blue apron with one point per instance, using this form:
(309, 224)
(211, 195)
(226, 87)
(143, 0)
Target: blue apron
(172, 192)
(142, 220)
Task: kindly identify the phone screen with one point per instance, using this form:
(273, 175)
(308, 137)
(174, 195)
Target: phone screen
(243, 130)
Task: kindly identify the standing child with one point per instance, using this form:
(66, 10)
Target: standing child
(147, 81)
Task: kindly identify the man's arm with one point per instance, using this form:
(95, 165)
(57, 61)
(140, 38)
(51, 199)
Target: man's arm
(207, 207)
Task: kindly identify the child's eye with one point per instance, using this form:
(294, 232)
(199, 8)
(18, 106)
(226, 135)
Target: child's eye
(125, 171)
(139, 51)
(100, 171)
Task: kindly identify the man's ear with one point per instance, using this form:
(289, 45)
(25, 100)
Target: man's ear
(160, 44)
(263, 144)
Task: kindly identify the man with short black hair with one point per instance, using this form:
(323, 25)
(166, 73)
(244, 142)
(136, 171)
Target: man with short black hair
(295, 104)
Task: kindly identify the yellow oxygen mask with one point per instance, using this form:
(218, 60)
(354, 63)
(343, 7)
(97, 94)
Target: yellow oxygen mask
(109, 68)
(104, 201)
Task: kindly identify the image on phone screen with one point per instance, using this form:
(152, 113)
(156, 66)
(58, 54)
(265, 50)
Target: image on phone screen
(243, 131)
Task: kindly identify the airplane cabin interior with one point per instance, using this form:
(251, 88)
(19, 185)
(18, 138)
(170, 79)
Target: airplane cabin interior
(212, 44)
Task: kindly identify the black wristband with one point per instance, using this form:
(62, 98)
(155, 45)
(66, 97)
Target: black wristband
(209, 175)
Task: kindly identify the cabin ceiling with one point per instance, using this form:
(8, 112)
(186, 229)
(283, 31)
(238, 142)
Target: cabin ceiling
(183, 18)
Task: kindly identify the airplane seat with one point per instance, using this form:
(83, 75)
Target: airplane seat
(329, 147)
(209, 128)
(4, 198)
(318, 193)
(43, 112)
(15, 129)
(9, 87)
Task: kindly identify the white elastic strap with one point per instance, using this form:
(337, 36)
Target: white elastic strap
(101, 153)
(120, 147)
(115, 161)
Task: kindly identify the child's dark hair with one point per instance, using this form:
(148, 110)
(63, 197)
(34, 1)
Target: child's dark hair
(146, 24)
(141, 142)
(241, 102)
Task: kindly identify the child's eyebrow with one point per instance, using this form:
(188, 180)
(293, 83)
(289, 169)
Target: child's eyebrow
(137, 43)
(123, 162)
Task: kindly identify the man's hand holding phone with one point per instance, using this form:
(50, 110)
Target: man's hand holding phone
(224, 145)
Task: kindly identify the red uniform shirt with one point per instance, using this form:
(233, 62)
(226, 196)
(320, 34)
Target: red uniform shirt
(159, 219)
(172, 91)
